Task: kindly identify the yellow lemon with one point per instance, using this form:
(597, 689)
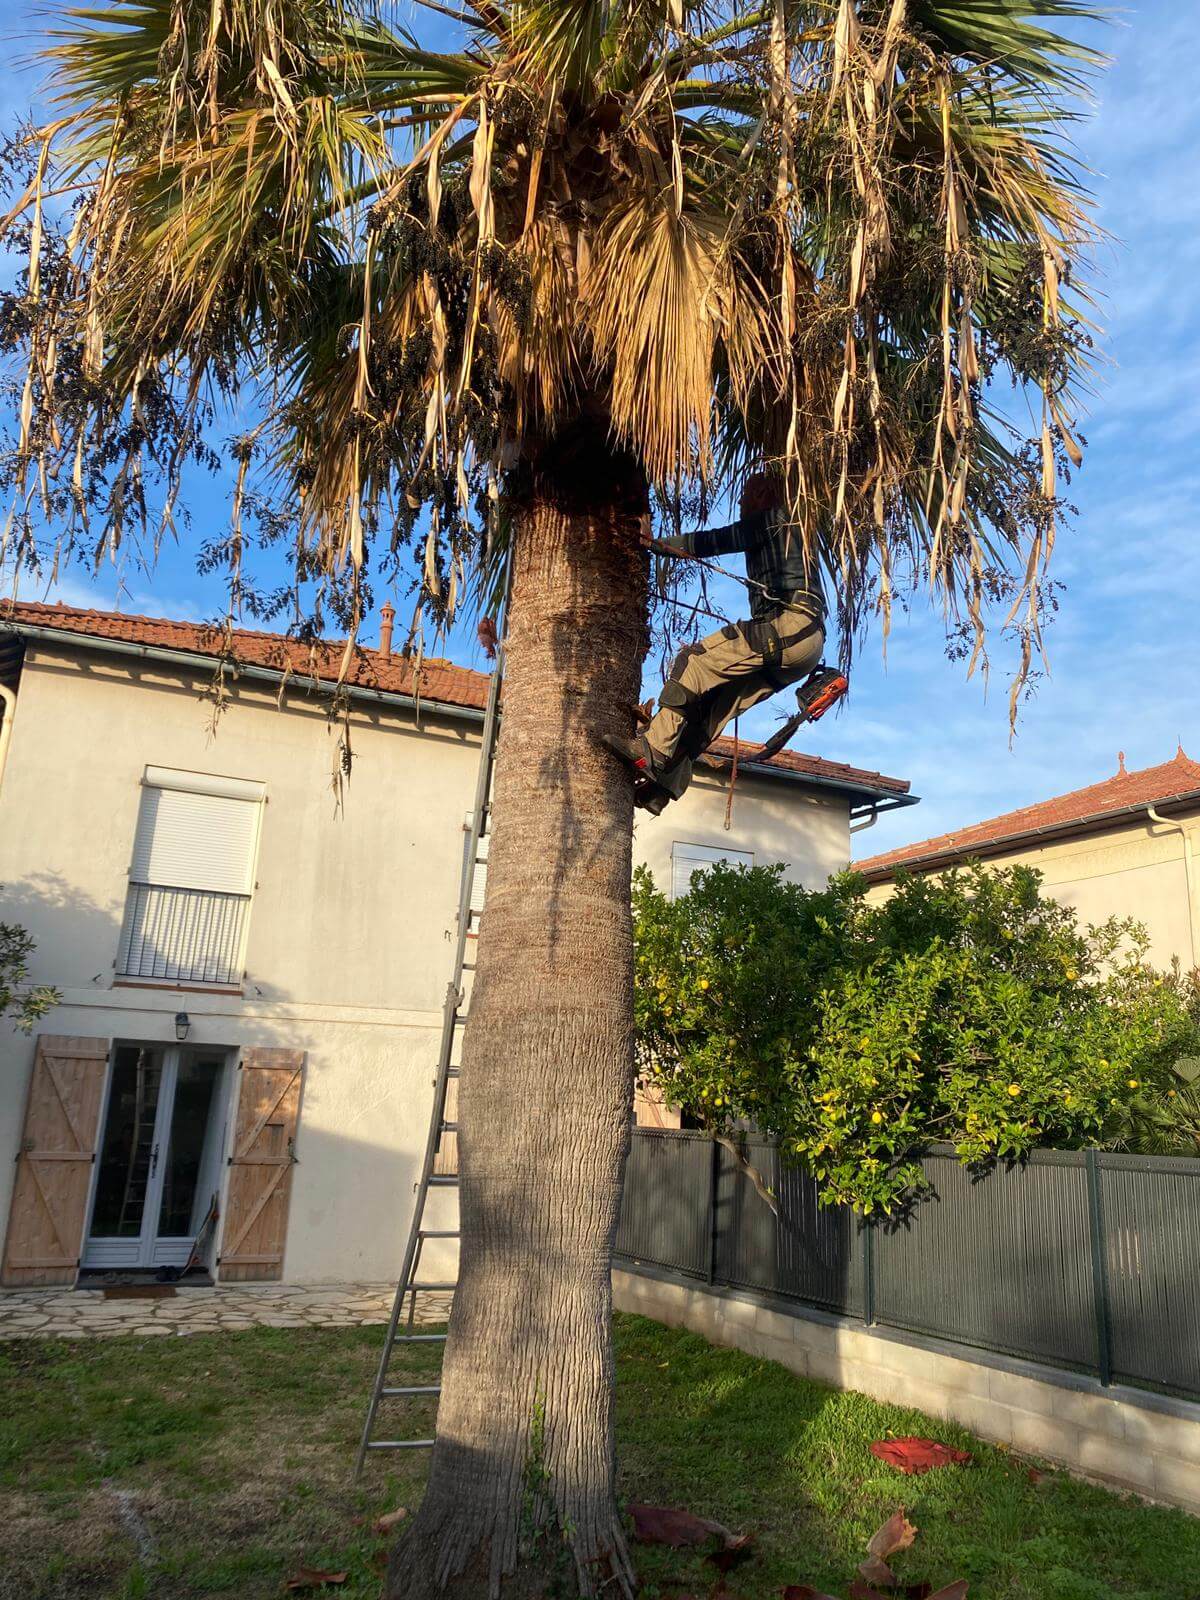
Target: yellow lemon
(704, 983)
(1014, 1089)
(1133, 1083)
(877, 1117)
(1103, 1063)
(1071, 974)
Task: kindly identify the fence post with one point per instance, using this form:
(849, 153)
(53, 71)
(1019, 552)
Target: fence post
(868, 1239)
(714, 1178)
(1099, 1268)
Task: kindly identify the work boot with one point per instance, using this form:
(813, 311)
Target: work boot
(648, 791)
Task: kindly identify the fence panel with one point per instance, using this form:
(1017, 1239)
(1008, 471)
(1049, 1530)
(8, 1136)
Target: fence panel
(1151, 1215)
(667, 1202)
(1025, 1262)
(1004, 1262)
(812, 1253)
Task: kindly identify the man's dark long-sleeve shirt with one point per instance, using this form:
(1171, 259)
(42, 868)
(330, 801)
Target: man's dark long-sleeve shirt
(774, 558)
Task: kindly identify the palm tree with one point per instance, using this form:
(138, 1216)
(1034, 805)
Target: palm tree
(599, 254)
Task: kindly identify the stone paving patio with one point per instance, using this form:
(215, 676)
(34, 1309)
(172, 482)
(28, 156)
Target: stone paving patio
(80, 1313)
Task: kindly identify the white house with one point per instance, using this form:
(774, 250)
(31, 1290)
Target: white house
(252, 974)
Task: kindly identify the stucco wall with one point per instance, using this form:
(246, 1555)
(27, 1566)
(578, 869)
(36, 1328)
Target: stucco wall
(351, 927)
(1133, 871)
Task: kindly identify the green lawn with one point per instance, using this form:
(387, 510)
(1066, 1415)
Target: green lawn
(218, 1464)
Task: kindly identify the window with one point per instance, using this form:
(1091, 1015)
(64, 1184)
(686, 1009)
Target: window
(191, 878)
(687, 859)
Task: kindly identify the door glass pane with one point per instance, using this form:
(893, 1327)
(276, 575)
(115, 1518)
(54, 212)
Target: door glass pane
(127, 1152)
(191, 1135)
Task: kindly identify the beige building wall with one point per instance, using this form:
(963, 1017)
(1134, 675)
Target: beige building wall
(1137, 870)
(351, 926)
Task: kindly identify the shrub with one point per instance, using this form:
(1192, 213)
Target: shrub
(24, 1005)
(970, 1008)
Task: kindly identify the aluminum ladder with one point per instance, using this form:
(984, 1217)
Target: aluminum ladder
(454, 1015)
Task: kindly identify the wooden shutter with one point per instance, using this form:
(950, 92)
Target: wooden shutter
(54, 1165)
(260, 1178)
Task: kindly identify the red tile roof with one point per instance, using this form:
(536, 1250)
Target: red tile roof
(1067, 813)
(440, 682)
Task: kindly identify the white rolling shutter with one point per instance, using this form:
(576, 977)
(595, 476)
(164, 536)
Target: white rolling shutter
(190, 878)
(687, 859)
(195, 841)
(479, 876)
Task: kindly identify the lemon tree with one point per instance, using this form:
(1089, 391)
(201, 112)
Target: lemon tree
(971, 1009)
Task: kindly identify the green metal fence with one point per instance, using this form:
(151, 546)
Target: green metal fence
(1081, 1259)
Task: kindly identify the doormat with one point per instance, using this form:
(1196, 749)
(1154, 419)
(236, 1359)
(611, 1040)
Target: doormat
(139, 1291)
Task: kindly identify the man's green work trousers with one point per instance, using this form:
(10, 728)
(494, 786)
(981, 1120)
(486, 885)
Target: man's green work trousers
(722, 676)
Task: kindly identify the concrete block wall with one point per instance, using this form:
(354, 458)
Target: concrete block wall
(1128, 1438)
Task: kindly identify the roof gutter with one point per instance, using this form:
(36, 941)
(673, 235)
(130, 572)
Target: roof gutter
(387, 697)
(1093, 822)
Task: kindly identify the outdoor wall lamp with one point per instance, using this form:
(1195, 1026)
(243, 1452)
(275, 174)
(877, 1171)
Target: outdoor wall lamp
(182, 1023)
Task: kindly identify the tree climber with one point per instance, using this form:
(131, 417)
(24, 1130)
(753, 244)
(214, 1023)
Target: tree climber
(723, 675)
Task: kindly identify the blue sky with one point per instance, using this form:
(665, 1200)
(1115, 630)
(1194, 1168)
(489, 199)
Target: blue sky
(1125, 656)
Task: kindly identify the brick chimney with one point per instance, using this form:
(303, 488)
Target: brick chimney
(387, 616)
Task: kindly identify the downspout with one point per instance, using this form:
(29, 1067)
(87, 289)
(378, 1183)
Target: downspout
(869, 821)
(1189, 872)
(9, 701)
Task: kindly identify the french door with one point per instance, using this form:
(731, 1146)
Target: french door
(159, 1158)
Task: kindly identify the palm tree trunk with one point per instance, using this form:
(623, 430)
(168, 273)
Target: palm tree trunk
(521, 1498)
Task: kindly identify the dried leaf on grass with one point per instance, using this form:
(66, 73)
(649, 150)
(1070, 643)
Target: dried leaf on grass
(897, 1533)
(918, 1455)
(735, 1550)
(389, 1520)
(662, 1525)
(313, 1578)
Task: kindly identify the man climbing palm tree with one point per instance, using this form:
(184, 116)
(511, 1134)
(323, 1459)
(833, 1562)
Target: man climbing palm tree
(730, 671)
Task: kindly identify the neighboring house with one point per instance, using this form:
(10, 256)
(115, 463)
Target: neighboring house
(1125, 847)
(251, 977)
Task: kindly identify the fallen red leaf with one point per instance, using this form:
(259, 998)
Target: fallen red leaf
(953, 1591)
(861, 1590)
(918, 1455)
(897, 1533)
(313, 1578)
(662, 1525)
(732, 1553)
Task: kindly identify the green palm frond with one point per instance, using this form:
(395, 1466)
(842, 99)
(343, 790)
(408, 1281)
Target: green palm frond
(803, 232)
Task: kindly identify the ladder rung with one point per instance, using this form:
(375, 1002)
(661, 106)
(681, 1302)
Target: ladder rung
(400, 1444)
(419, 1338)
(438, 1288)
(449, 1127)
(468, 966)
(443, 1180)
(438, 1233)
(454, 1072)
(414, 1388)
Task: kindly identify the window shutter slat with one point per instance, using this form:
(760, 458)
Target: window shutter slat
(687, 859)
